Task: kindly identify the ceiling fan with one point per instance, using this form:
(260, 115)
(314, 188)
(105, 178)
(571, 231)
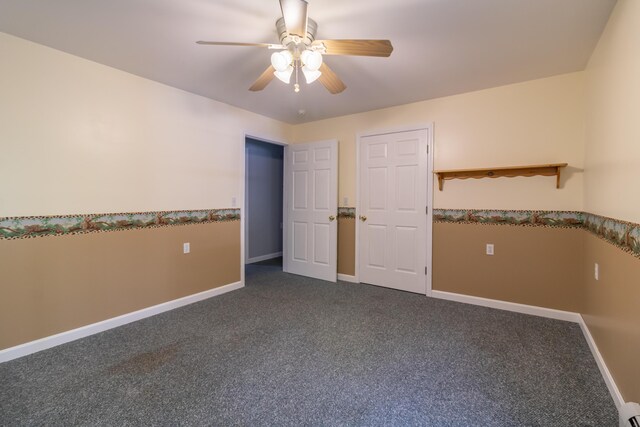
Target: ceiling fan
(299, 51)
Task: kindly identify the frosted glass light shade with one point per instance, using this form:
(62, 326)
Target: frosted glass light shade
(310, 75)
(281, 60)
(284, 75)
(311, 59)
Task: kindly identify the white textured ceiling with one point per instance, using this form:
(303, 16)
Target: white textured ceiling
(441, 47)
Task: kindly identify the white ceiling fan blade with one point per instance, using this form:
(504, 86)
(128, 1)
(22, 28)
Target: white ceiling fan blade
(294, 13)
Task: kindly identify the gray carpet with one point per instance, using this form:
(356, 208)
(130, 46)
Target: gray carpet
(288, 350)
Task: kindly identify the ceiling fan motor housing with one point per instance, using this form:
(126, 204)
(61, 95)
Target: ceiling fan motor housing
(287, 39)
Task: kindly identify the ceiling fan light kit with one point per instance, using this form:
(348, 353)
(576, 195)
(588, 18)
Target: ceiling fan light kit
(284, 62)
(300, 51)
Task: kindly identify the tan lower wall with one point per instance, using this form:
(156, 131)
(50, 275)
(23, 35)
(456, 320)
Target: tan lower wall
(612, 311)
(54, 284)
(347, 246)
(532, 265)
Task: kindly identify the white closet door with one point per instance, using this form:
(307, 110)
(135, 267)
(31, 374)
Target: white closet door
(392, 214)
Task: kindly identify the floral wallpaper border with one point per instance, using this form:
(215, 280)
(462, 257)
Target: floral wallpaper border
(58, 225)
(511, 217)
(624, 235)
(345, 212)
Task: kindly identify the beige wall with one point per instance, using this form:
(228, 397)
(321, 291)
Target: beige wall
(54, 284)
(80, 137)
(613, 130)
(612, 156)
(540, 121)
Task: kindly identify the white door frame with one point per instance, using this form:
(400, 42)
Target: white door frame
(244, 204)
(428, 217)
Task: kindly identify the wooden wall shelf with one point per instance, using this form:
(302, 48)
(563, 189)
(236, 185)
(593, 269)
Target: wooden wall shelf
(509, 171)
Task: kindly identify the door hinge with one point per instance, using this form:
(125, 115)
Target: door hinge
(425, 271)
(427, 149)
(426, 210)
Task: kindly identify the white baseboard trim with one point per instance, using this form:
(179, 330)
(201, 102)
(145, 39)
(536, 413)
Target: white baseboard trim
(509, 306)
(94, 328)
(263, 257)
(608, 378)
(347, 278)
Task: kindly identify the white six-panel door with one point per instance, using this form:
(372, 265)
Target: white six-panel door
(392, 210)
(311, 209)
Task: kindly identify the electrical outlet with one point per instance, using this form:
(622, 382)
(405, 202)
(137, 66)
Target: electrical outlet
(596, 271)
(489, 248)
(345, 201)
(186, 248)
(233, 202)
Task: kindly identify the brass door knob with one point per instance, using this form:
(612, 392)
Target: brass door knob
(332, 218)
(363, 218)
